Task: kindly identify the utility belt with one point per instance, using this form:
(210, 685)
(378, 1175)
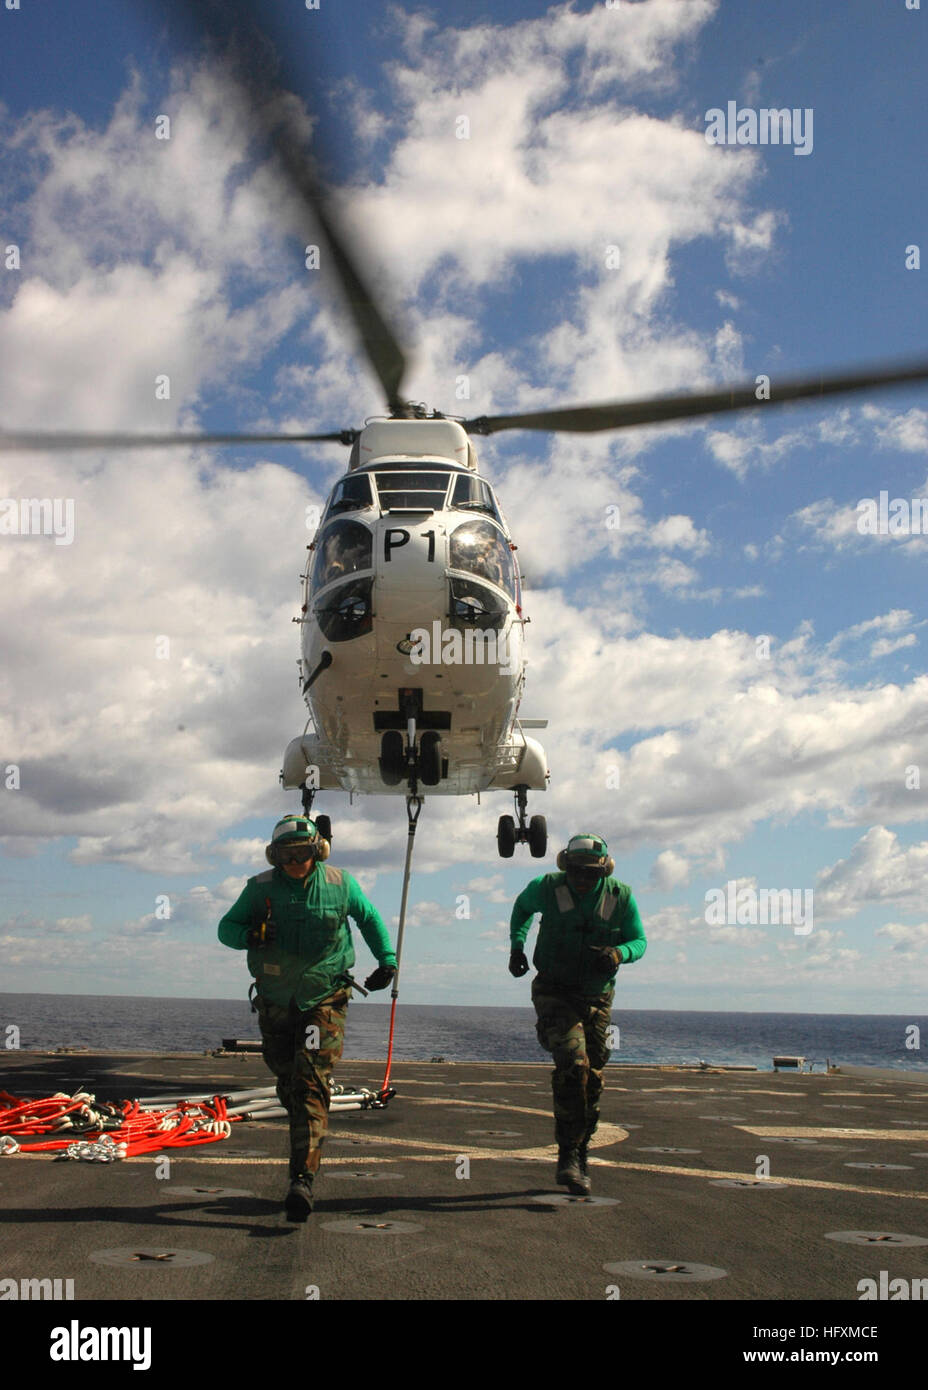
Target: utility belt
(342, 982)
(548, 985)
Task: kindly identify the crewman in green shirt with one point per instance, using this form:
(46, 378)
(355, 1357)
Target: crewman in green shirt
(292, 920)
(589, 927)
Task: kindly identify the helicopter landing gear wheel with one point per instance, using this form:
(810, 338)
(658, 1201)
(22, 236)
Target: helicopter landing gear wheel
(324, 827)
(506, 836)
(516, 830)
(538, 837)
(430, 758)
(392, 758)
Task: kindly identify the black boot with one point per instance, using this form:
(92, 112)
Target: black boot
(299, 1201)
(592, 1120)
(569, 1172)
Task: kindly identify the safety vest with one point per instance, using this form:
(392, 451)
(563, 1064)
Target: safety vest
(567, 931)
(312, 951)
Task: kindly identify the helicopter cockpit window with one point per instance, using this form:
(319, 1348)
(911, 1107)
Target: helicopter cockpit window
(473, 494)
(346, 611)
(412, 491)
(344, 548)
(352, 495)
(480, 549)
(474, 605)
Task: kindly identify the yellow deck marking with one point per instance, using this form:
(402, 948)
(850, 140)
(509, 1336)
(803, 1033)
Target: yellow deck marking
(432, 1152)
(547, 1156)
(917, 1136)
(788, 1182)
(716, 1091)
(498, 1108)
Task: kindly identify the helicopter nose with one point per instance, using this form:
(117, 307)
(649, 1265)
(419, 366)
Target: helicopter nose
(408, 552)
(411, 583)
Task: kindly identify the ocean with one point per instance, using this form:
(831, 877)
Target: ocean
(108, 1023)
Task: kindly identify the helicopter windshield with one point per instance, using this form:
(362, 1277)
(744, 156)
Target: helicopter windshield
(473, 494)
(412, 491)
(480, 549)
(352, 494)
(343, 548)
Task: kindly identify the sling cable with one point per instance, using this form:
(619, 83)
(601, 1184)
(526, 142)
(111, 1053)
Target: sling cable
(413, 807)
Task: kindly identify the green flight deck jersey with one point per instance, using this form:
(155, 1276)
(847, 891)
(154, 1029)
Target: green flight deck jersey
(312, 952)
(606, 916)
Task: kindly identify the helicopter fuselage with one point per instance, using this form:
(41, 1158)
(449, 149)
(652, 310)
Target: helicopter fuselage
(412, 605)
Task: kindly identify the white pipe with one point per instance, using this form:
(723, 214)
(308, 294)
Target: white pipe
(208, 1095)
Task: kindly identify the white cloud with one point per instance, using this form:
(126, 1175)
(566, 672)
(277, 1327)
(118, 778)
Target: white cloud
(885, 647)
(244, 851)
(907, 937)
(486, 884)
(744, 447)
(878, 870)
(671, 870)
(674, 575)
(675, 923)
(678, 532)
(893, 621)
(742, 937)
(748, 444)
(833, 524)
(822, 951)
(908, 431)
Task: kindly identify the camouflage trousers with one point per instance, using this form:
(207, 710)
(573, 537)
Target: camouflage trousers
(574, 1030)
(303, 1060)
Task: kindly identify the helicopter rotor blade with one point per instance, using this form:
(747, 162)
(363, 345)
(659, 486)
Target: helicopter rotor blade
(232, 26)
(617, 415)
(53, 441)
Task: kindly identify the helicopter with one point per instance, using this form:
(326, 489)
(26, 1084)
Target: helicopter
(437, 654)
(413, 535)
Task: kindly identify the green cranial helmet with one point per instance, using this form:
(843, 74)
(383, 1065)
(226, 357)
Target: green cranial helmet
(295, 830)
(585, 854)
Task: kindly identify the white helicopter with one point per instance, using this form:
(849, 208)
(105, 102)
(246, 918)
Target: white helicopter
(413, 557)
(412, 626)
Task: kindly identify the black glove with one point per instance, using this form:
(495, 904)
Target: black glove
(518, 963)
(263, 935)
(381, 977)
(607, 960)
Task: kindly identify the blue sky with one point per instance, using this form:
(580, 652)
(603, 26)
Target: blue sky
(141, 776)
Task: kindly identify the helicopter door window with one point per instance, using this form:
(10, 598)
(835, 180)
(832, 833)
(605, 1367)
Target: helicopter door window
(473, 494)
(480, 549)
(352, 495)
(412, 492)
(344, 548)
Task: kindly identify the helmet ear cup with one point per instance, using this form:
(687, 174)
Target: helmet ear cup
(610, 865)
(271, 855)
(562, 860)
(322, 848)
